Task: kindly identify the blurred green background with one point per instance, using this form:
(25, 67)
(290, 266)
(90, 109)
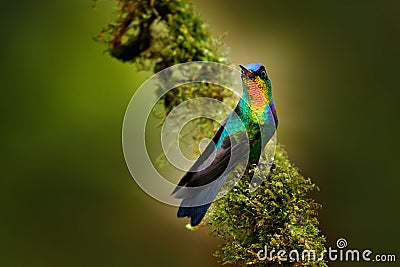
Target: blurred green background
(67, 198)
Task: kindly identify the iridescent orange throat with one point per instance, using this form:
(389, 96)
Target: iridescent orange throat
(258, 95)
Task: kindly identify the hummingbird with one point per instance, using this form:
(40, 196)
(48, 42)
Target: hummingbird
(242, 135)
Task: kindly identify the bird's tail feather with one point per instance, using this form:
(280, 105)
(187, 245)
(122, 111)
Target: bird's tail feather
(196, 207)
(196, 214)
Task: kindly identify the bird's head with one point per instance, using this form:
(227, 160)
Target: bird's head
(256, 83)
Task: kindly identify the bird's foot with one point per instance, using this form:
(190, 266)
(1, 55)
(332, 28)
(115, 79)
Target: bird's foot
(273, 166)
(263, 164)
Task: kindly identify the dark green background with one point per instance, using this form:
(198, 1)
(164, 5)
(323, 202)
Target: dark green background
(66, 196)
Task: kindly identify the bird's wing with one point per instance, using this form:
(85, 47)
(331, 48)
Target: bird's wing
(214, 162)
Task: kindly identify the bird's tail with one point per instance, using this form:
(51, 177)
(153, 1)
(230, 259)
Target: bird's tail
(196, 206)
(196, 214)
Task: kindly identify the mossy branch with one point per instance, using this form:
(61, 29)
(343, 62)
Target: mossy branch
(279, 214)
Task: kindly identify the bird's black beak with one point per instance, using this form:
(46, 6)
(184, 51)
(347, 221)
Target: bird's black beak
(247, 72)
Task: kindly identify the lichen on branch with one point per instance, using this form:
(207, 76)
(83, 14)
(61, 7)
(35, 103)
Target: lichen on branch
(280, 214)
(158, 34)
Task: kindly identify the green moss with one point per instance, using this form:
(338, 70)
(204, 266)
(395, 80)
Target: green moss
(279, 214)
(158, 34)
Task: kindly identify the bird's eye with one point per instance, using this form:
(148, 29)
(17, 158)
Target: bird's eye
(263, 74)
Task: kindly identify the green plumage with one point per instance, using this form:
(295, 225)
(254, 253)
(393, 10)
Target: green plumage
(242, 137)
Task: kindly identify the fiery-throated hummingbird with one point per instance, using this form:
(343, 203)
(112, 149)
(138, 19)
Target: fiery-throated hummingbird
(243, 135)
